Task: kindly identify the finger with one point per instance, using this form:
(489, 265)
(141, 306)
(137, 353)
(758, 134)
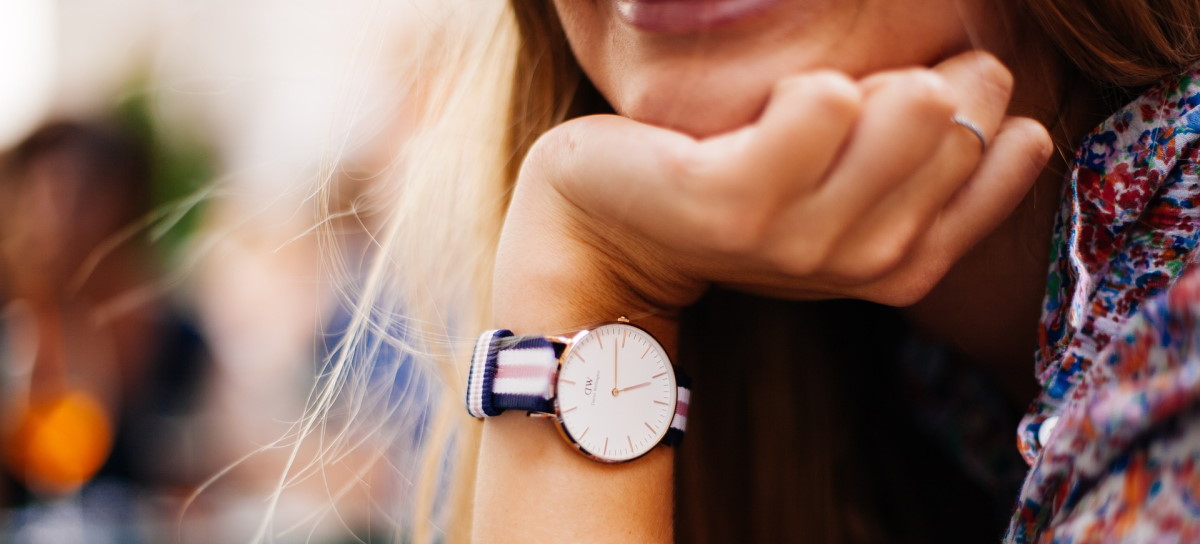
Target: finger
(1007, 172)
(903, 120)
(893, 138)
(636, 181)
(714, 195)
(886, 233)
(985, 87)
(1005, 175)
(799, 134)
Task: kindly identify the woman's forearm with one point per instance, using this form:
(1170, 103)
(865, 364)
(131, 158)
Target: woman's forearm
(531, 485)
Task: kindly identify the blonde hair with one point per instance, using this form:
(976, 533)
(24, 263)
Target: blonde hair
(428, 284)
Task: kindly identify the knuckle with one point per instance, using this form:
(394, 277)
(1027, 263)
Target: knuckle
(883, 254)
(837, 93)
(929, 91)
(789, 85)
(994, 73)
(826, 89)
(879, 259)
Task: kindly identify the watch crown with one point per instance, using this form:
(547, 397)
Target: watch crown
(623, 319)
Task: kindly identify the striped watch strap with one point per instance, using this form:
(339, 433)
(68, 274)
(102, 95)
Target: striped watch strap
(518, 373)
(511, 373)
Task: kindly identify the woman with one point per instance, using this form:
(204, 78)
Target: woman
(895, 153)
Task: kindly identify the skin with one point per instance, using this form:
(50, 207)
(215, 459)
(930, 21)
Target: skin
(766, 156)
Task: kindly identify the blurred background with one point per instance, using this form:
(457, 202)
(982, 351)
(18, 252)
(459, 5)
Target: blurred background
(165, 298)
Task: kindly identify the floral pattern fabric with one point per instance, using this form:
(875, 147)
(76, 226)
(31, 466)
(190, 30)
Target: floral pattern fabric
(1119, 361)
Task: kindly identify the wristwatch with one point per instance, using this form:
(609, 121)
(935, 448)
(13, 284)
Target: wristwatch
(611, 389)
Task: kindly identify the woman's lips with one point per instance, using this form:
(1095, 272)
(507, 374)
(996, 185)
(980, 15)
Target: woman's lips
(681, 16)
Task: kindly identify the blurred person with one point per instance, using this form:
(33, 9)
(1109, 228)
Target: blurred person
(768, 156)
(234, 75)
(103, 371)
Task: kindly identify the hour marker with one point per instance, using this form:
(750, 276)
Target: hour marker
(663, 373)
(661, 402)
(647, 424)
(630, 443)
(645, 352)
(605, 445)
(569, 409)
(600, 341)
(585, 430)
(624, 337)
(564, 380)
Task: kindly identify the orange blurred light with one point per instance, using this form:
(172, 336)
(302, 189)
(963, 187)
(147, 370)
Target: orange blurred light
(60, 443)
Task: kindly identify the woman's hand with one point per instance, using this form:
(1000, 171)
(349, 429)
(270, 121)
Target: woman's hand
(863, 189)
(841, 188)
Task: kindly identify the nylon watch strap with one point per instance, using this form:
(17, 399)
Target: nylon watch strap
(518, 373)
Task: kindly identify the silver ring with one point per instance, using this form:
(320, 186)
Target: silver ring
(963, 122)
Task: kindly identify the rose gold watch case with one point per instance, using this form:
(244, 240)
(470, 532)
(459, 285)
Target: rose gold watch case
(570, 343)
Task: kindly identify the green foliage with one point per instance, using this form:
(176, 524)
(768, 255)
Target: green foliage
(182, 172)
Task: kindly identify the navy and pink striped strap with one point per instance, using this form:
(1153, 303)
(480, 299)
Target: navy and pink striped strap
(518, 372)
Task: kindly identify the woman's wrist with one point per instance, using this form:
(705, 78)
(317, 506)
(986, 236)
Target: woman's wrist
(525, 466)
(556, 273)
(550, 279)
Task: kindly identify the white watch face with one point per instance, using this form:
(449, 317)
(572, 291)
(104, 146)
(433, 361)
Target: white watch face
(616, 392)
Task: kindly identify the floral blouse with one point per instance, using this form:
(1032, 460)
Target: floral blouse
(1113, 440)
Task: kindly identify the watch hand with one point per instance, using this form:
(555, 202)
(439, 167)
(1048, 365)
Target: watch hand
(615, 382)
(643, 384)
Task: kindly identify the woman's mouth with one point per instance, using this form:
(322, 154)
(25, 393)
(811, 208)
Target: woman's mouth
(682, 16)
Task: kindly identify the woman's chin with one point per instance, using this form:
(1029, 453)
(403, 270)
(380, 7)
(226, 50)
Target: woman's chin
(697, 110)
